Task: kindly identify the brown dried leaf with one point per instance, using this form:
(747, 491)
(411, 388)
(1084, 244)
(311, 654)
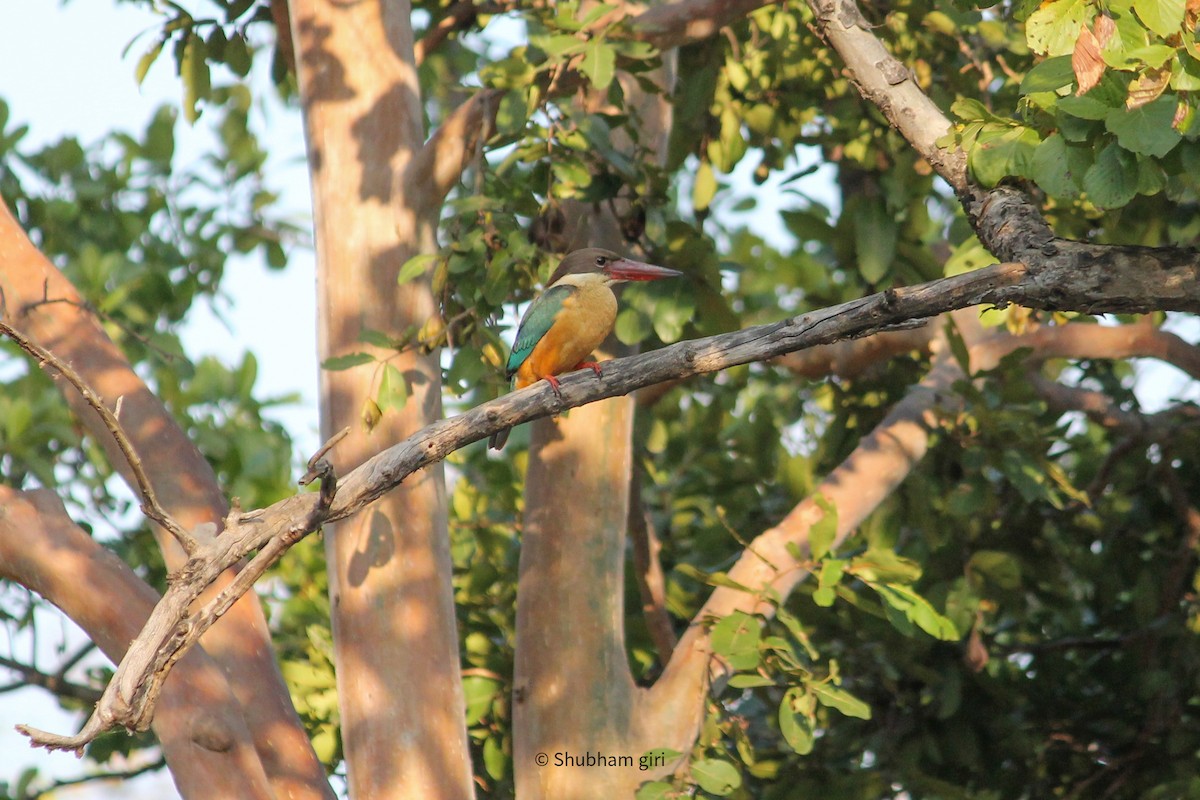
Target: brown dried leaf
(1146, 88)
(1192, 15)
(1086, 61)
(1103, 28)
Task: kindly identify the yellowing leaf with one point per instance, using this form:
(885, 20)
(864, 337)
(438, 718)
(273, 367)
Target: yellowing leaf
(1086, 62)
(1146, 88)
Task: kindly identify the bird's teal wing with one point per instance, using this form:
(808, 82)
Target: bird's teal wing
(537, 320)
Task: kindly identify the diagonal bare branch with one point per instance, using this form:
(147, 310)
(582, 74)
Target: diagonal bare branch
(150, 505)
(127, 700)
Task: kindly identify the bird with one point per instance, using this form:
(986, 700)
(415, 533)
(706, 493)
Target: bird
(565, 323)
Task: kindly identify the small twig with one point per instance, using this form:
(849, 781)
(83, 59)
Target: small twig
(459, 16)
(319, 467)
(122, 775)
(91, 309)
(150, 505)
(56, 684)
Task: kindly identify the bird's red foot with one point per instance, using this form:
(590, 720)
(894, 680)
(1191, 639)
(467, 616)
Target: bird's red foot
(591, 365)
(554, 384)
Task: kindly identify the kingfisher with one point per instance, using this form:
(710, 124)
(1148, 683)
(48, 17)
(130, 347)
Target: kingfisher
(565, 323)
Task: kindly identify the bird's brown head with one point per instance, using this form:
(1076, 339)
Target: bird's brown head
(611, 266)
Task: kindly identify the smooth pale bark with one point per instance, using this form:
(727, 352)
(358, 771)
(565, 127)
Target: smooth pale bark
(186, 488)
(573, 693)
(402, 709)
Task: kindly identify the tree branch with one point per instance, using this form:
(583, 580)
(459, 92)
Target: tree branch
(199, 722)
(273, 529)
(111, 775)
(1008, 224)
(889, 85)
(56, 683)
(457, 17)
(439, 164)
(150, 505)
(670, 25)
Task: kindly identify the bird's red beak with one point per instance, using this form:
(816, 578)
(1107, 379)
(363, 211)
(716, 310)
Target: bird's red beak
(626, 269)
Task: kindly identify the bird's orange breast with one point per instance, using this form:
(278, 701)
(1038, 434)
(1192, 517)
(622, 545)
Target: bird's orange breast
(584, 322)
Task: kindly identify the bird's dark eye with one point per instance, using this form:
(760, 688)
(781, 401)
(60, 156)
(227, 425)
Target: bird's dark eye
(601, 261)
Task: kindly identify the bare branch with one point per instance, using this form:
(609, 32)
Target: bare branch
(199, 722)
(440, 162)
(890, 86)
(1105, 411)
(1008, 224)
(460, 15)
(853, 357)
(127, 700)
(150, 505)
(111, 775)
(668, 25)
(56, 683)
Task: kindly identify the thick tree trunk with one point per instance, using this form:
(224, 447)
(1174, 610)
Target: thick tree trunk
(402, 708)
(573, 693)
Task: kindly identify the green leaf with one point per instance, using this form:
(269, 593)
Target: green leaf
(1003, 151)
(393, 389)
(1089, 106)
(716, 776)
(147, 60)
(495, 760)
(1164, 17)
(879, 565)
(916, 609)
(632, 326)
(796, 726)
(736, 638)
(599, 63)
(704, 187)
(1053, 29)
(822, 532)
(479, 692)
(1048, 76)
(750, 680)
(835, 697)
(1058, 168)
(1112, 181)
(875, 235)
(339, 363)
(997, 567)
(376, 338)
(655, 790)
(193, 71)
(1147, 130)
(416, 267)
